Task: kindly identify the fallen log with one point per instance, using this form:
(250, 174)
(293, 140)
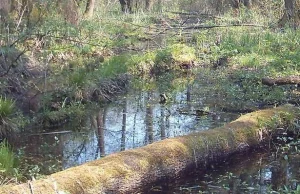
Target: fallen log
(128, 171)
(281, 80)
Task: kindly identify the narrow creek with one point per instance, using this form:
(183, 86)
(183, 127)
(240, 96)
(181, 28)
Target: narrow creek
(137, 118)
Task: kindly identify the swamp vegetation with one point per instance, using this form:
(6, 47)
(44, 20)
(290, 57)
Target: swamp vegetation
(80, 80)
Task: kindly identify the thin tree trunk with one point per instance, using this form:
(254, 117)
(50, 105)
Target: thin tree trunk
(291, 14)
(100, 127)
(126, 6)
(149, 118)
(149, 4)
(124, 122)
(162, 123)
(235, 4)
(248, 3)
(89, 10)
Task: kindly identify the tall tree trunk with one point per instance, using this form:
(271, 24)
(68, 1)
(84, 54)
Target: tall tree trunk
(159, 4)
(126, 6)
(70, 11)
(149, 4)
(235, 3)
(291, 14)
(89, 10)
(5, 7)
(248, 3)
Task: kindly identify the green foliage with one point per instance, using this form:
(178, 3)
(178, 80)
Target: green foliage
(252, 54)
(115, 65)
(7, 159)
(176, 52)
(74, 113)
(249, 61)
(8, 123)
(77, 78)
(258, 48)
(7, 107)
(51, 39)
(164, 56)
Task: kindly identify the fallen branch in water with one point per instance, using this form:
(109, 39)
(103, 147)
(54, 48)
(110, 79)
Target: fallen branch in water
(50, 133)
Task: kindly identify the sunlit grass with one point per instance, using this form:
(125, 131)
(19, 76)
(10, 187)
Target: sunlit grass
(6, 107)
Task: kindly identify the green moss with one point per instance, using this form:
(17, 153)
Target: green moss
(179, 53)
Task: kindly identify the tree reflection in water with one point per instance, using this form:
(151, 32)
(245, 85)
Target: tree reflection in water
(132, 121)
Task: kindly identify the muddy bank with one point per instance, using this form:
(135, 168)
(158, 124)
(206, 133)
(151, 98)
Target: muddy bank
(130, 170)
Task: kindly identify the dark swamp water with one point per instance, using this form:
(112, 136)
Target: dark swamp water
(137, 119)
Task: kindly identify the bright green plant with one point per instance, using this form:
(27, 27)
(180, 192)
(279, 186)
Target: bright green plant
(7, 159)
(7, 125)
(7, 107)
(176, 52)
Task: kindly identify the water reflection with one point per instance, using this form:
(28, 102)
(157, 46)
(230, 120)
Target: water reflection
(149, 118)
(100, 134)
(256, 173)
(132, 121)
(138, 119)
(123, 138)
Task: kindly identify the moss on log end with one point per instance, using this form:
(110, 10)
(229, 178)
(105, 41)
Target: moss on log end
(129, 170)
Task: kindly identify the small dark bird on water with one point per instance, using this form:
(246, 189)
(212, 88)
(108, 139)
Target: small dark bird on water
(163, 98)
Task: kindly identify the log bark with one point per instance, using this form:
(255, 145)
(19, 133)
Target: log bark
(281, 80)
(127, 171)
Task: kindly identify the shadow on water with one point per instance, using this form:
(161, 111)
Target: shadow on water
(255, 172)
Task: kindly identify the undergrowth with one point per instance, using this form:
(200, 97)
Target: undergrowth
(87, 61)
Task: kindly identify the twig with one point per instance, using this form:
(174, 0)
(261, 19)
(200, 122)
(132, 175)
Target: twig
(218, 26)
(11, 65)
(30, 187)
(21, 17)
(51, 133)
(194, 13)
(195, 158)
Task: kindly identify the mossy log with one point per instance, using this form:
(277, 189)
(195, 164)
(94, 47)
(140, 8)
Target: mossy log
(281, 80)
(127, 171)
